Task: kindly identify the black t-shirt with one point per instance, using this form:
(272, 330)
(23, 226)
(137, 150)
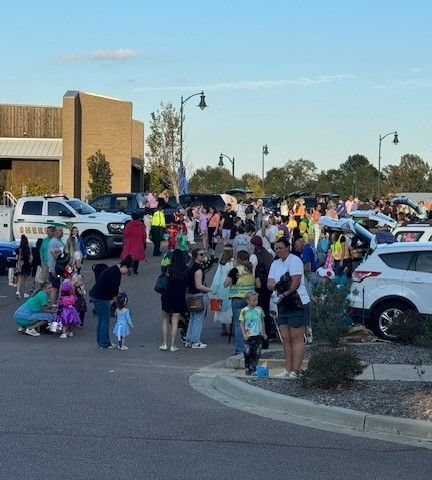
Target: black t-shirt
(228, 218)
(191, 278)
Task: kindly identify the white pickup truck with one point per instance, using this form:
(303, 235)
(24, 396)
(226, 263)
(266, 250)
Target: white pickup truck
(102, 232)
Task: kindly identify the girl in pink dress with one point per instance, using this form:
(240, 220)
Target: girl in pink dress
(66, 313)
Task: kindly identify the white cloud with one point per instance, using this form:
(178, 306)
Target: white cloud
(97, 55)
(259, 85)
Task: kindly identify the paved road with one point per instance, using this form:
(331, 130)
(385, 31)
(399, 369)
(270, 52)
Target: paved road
(71, 411)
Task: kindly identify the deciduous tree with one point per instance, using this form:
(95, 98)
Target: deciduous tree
(99, 174)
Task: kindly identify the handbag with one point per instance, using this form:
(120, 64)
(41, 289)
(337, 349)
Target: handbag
(55, 327)
(161, 284)
(195, 304)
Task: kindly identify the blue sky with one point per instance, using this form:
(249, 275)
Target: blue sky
(311, 79)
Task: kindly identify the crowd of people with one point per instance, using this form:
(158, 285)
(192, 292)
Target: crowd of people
(268, 271)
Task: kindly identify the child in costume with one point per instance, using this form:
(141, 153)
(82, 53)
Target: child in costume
(80, 303)
(66, 313)
(121, 328)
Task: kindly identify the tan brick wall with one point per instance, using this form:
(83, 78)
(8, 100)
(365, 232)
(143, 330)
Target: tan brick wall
(107, 126)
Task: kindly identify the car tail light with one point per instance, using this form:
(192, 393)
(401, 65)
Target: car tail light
(360, 275)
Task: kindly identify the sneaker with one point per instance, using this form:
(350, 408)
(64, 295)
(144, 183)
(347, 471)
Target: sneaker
(174, 349)
(32, 332)
(124, 347)
(110, 346)
(163, 347)
(70, 334)
(18, 295)
(188, 344)
(293, 376)
(21, 329)
(63, 335)
(199, 345)
(283, 374)
(26, 295)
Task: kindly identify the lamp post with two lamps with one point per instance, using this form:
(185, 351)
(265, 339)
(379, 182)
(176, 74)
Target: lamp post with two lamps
(381, 138)
(265, 152)
(221, 164)
(202, 105)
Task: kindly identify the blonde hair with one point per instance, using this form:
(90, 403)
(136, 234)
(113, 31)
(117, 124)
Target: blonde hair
(251, 294)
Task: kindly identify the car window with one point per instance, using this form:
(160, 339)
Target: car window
(122, 203)
(102, 203)
(32, 207)
(408, 236)
(424, 262)
(55, 208)
(399, 260)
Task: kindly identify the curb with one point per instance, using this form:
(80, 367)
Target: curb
(323, 414)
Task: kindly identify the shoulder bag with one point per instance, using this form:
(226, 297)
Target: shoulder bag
(161, 284)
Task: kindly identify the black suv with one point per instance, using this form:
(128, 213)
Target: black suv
(133, 202)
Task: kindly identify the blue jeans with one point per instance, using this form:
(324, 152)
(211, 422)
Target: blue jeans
(196, 320)
(237, 304)
(102, 308)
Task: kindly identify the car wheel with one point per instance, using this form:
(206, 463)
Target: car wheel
(95, 246)
(383, 317)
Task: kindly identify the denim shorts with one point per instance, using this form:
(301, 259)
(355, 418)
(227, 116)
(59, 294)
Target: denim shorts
(299, 317)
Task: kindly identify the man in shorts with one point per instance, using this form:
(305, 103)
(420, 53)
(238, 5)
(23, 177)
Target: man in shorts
(227, 223)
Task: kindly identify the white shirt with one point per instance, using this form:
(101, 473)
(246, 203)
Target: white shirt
(294, 266)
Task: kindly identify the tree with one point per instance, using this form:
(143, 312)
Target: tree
(164, 149)
(254, 183)
(413, 174)
(99, 174)
(211, 180)
(358, 177)
(294, 175)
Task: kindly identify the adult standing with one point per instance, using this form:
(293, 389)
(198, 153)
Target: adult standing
(55, 247)
(157, 229)
(163, 198)
(226, 263)
(44, 252)
(241, 280)
(291, 319)
(213, 226)
(134, 241)
(227, 222)
(106, 288)
(196, 288)
(174, 298)
(259, 214)
(261, 261)
(76, 249)
(23, 263)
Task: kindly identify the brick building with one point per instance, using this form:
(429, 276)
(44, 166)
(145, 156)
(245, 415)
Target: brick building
(54, 143)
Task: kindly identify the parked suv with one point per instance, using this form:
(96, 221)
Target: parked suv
(414, 232)
(392, 279)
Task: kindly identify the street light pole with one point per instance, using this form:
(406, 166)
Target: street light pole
(264, 153)
(221, 164)
(202, 105)
(381, 138)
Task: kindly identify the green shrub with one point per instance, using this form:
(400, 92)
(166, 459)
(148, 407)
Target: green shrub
(330, 318)
(329, 369)
(408, 327)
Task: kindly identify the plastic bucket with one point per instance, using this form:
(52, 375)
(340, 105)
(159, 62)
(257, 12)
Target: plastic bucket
(263, 372)
(216, 304)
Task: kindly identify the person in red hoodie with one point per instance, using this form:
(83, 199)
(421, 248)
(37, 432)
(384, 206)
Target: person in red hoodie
(134, 241)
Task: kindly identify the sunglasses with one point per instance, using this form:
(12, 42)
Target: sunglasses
(201, 253)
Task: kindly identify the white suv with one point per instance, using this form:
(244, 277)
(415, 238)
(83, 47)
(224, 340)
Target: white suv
(392, 279)
(414, 232)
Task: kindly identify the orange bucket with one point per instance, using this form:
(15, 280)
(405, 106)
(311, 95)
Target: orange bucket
(216, 304)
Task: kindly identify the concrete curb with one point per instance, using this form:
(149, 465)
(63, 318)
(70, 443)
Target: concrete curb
(323, 414)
